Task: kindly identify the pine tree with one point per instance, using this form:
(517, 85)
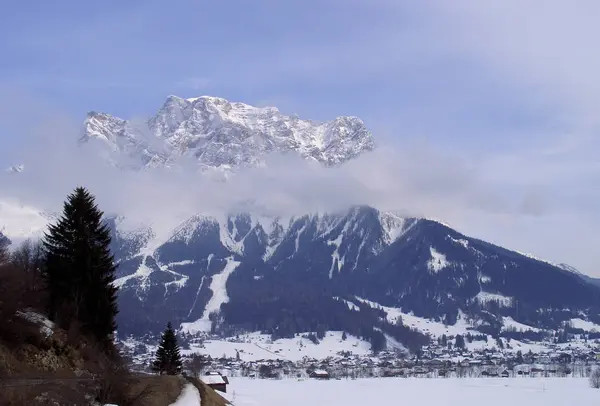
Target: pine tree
(4, 243)
(519, 359)
(168, 358)
(79, 269)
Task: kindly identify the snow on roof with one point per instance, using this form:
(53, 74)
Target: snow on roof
(212, 379)
(320, 372)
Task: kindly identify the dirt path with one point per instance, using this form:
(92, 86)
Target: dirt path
(208, 395)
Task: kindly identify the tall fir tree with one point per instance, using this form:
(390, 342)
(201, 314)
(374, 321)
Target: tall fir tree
(168, 357)
(79, 269)
(4, 244)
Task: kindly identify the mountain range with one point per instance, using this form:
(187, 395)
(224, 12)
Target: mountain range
(329, 271)
(345, 270)
(224, 135)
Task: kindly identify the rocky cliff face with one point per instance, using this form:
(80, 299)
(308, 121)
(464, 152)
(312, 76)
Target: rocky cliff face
(221, 134)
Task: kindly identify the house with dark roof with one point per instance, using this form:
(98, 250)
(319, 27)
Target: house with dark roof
(216, 381)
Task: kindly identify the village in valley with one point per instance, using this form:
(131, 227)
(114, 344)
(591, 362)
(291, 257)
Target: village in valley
(441, 359)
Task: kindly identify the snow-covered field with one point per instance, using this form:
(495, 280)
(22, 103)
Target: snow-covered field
(424, 392)
(255, 346)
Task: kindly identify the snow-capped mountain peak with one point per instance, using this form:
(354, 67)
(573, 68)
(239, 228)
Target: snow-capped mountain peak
(223, 134)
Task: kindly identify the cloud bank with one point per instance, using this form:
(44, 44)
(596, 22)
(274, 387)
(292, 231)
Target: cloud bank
(416, 180)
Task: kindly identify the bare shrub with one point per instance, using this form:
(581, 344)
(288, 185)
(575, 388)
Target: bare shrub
(595, 378)
(29, 259)
(21, 289)
(117, 385)
(14, 297)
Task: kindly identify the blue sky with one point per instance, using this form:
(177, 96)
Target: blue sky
(508, 89)
(319, 59)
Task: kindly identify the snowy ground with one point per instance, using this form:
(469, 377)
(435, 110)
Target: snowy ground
(255, 346)
(219, 296)
(189, 397)
(424, 392)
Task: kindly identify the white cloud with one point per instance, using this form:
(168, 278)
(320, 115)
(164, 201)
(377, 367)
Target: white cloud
(418, 180)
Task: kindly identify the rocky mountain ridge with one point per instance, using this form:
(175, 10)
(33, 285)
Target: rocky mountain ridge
(338, 271)
(221, 134)
(358, 270)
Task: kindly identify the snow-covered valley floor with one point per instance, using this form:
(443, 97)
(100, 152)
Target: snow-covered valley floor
(424, 392)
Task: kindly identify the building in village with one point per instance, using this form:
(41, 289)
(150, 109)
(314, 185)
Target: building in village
(216, 381)
(319, 374)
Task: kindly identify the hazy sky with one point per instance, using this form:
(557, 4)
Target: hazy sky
(487, 110)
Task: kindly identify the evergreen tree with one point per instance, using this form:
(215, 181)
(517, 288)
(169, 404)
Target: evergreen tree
(320, 332)
(168, 358)
(79, 269)
(4, 243)
(519, 358)
(378, 341)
